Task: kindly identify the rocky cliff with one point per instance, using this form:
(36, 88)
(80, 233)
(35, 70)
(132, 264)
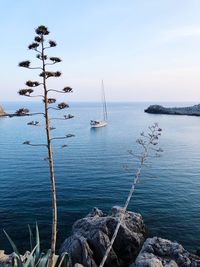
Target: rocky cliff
(92, 234)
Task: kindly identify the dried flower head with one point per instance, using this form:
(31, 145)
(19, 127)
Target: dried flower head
(38, 39)
(42, 30)
(69, 135)
(52, 43)
(25, 92)
(55, 59)
(67, 89)
(44, 57)
(26, 143)
(25, 64)
(62, 105)
(69, 116)
(51, 100)
(22, 112)
(33, 46)
(32, 83)
(48, 74)
(57, 74)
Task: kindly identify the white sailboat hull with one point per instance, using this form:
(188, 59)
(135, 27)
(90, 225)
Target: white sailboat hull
(98, 124)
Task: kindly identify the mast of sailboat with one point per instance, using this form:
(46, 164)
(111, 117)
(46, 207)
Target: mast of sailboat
(104, 102)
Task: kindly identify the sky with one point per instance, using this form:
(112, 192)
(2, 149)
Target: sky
(144, 50)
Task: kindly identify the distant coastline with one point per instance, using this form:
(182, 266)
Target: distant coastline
(189, 111)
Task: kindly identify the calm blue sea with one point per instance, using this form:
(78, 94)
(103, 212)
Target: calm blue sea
(90, 172)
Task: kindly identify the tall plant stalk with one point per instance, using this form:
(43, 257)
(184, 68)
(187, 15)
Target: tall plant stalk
(148, 142)
(51, 165)
(40, 45)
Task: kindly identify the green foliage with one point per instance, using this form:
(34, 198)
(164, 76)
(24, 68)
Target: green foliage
(36, 258)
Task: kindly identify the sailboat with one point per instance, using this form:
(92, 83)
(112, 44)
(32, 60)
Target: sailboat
(101, 123)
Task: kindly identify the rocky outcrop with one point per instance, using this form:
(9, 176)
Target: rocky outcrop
(2, 112)
(158, 252)
(5, 260)
(92, 234)
(190, 111)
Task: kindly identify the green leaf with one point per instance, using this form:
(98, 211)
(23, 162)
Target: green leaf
(37, 252)
(64, 260)
(30, 258)
(31, 237)
(14, 249)
(44, 259)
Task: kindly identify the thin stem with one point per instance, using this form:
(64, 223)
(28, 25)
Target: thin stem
(51, 167)
(135, 181)
(36, 145)
(36, 113)
(34, 96)
(50, 63)
(61, 137)
(34, 68)
(61, 118)
(58, 91)
(54, 108)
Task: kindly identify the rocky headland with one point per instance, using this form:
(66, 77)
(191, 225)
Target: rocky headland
(2, 112)
(190, 111)
(91, 236)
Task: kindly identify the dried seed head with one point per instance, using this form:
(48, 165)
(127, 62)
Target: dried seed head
(42, 30)
(25, 64)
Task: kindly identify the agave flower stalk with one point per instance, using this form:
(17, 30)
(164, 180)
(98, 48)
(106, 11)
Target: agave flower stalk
(148, 143)
(40, 45)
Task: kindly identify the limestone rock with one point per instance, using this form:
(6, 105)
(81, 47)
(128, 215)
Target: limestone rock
(191, 111)
(158, 252)
(92, 234)
(2, 112)
(5, 260)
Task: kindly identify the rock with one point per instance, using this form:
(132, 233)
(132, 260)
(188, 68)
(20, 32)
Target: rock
(190, 111)
(158, 252)
(5, 260)
(2, 112)
(92, 234)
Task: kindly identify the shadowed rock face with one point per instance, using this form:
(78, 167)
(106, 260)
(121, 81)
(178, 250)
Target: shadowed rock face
(92, 234)
(158, 252)
(190, 111)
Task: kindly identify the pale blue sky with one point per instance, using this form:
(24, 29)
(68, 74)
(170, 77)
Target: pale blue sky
(145, 50)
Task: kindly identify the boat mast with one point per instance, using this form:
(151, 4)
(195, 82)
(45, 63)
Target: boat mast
(104, 102)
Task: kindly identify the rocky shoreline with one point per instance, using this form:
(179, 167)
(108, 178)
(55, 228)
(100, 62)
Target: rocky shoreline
(91, 236)
(189, 111)
(2, 112)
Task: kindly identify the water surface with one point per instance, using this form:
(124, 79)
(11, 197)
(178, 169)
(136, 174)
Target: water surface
(90, 172)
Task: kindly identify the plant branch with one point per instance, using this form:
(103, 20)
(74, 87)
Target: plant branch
(66, 117)
(58, 91)
(63, 137)
(29, 144)
(153, 136)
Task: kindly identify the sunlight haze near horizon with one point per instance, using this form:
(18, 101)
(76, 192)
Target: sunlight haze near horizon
(144, 50)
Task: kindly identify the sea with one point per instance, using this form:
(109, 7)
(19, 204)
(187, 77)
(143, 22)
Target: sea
(96, 169)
